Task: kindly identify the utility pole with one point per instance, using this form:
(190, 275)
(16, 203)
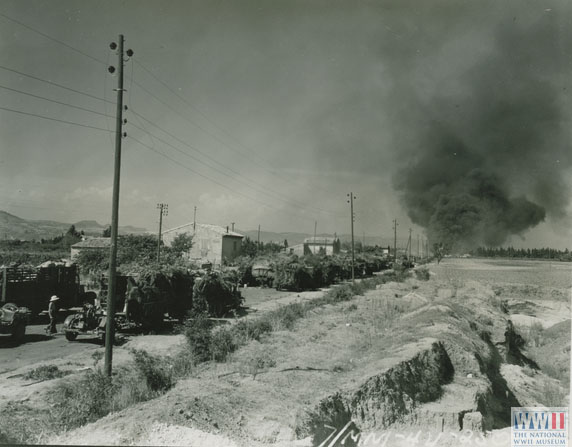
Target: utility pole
(195, 220)
(351, 202)
(409, 243)
(163, 211)
(363, 243)
(110, 307)
(315, 228)
(395, 240)
(258, 243)
(418, 253)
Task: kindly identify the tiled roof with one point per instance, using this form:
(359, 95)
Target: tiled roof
(94, 242)
(320, 240)
(214, 228)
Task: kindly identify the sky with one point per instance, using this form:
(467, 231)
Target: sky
(270, 113)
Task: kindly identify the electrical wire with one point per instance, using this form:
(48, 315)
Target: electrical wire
(51, 38)
(197, 172)
(53, 119)
(256, 186)
(111, 102)
(53, 83)
(54, 101)
(254, 160)
(234, 191)
(234, 139)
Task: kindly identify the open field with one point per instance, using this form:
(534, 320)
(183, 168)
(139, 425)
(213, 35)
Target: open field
(418, 356)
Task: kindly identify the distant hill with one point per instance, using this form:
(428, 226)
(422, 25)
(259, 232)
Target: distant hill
(14, 227)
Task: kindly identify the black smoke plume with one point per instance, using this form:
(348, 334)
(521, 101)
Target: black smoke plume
(490, 157)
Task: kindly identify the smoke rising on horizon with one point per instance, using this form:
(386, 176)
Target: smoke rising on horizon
(488, 155)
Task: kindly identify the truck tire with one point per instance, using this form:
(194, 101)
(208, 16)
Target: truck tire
(71, 336)
(19, 332)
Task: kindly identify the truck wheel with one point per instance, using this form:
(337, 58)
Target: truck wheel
(19, 332)
(71, 336)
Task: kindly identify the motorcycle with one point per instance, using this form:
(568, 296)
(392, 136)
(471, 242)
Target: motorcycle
(90, 321)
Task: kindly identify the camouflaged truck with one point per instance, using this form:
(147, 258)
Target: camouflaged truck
(13, 321)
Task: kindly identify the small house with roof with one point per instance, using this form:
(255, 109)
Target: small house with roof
(316, 245)
(89, 244)
(211, 243)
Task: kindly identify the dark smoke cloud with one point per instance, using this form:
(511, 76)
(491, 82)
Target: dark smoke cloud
(490, 155)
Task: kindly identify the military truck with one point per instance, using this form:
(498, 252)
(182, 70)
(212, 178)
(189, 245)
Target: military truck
(32, 287)
(13, 321)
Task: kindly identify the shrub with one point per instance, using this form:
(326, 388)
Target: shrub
(245, 276)
(45, 372)
(246, 330)
(222, 344)
(339, 294)
(157, 376)
(78, 402)
(358, 288)
(293, 276)
(422, 274)
(95, 394)
(213, 294)
(284, 317)
(197, 331)
(254, 358)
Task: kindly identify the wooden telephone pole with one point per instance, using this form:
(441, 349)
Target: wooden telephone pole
(111, 290)
(395, 240)
(351, 202)
(163, 211)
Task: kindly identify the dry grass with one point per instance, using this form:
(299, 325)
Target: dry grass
(45, 372)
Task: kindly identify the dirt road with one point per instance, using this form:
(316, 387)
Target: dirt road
(39, 347)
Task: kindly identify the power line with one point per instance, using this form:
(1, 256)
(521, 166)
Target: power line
(197, 172)
(198, 126)
(54, 84)
(51, 38)
(140, 86)
(53, 119)
(196, 109)
(211, 179)
(257, 186)
(54, 101)
(196, 159)
(234, 139)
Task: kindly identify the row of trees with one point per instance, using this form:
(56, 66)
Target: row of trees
(527, 253)
(253, 248)
(136, 253)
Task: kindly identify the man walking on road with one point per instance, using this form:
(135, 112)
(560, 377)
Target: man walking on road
(53, 313)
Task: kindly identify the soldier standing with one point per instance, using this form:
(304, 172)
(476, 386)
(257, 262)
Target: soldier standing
(53, 313)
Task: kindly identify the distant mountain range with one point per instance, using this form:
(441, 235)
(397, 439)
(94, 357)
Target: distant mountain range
(14, 227)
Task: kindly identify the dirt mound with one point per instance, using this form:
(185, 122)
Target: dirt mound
(386, 398)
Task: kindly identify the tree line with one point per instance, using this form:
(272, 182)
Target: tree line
(523, 253)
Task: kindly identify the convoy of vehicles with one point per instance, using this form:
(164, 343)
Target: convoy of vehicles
(143, 301)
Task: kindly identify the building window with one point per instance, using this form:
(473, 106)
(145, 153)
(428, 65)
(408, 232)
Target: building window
(234, 246)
